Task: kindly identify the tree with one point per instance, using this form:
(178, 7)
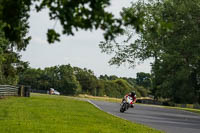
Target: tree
(106, 77)
(31, 77)
(72, 15)
(100, 88)
(13, 37)
(81, 14)
(123, 87)
(87, 80)
(61, 78)
(143, 79)
(10, 64)
(67, 80)
(74, 80)
(14, 15)
(131, 81)
(168, 33)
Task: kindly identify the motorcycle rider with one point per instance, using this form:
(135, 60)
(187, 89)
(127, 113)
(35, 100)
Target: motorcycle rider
(131, 94)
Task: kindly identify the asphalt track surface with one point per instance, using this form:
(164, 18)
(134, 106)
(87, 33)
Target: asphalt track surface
(167, 120)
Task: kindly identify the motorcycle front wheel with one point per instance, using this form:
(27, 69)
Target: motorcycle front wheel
(123, 108)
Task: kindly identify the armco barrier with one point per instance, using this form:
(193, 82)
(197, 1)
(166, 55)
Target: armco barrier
(153, 102)
(8, 90)
(197, 106)
(193, 106)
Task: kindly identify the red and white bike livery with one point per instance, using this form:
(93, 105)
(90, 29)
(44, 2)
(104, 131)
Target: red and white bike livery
(126, 103)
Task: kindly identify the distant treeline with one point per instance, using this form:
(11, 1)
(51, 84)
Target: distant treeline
(70, 80)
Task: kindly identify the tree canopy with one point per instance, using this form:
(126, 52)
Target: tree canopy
(74, 80)
(168, 32)
(73, 15)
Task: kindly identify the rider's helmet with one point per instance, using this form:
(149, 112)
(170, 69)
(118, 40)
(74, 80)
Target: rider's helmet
(132, 93)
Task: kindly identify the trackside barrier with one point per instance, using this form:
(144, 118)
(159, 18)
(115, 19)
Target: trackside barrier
(196, 106)
(8, 90)
(193, 106)
(153, 102)
(24, 91)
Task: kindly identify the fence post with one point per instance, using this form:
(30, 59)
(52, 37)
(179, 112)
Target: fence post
(27, 91)
(21, 91)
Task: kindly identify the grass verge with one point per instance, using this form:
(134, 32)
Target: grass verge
(59, 114)
(109, 99)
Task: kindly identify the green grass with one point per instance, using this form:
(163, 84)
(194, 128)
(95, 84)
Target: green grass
(59, 114)
(107, 99)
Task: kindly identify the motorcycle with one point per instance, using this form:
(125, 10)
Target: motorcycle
(126, 103)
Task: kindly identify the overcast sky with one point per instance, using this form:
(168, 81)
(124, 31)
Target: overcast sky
(81, 50)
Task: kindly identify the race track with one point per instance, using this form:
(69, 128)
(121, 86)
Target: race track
(168, 120)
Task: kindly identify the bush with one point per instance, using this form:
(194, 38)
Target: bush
(143, 92)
